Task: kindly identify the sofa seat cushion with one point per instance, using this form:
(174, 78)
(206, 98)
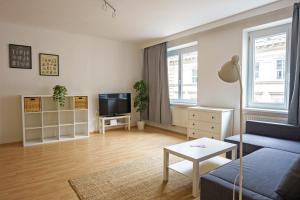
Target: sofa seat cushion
(262, 170)
(255, 142)
(214, 188)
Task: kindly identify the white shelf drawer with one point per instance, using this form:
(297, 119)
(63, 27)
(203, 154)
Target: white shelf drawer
(205, 126)
(210, 122)
(205, 116)
(195, 133)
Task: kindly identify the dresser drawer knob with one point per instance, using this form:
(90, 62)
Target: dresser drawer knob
(212, 137)
(212, 117)
(193, 124)
(212, 127)
(193, 115)
(193, 133)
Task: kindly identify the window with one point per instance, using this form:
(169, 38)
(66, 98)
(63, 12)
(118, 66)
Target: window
(183, 73)
(267, 84)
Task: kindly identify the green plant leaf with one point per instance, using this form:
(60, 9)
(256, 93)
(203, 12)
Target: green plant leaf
(59, 94)
(141, 98)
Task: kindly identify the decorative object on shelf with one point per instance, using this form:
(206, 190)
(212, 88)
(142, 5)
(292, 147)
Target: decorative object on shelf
(20, 56)
(81, 102)
(49, 64)
(59, 94)
(113, 122)
(141, 100)
(230, 73)
(32, 104)
(106, 5)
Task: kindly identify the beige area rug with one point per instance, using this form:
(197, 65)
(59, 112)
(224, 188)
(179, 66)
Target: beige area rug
(137, 180)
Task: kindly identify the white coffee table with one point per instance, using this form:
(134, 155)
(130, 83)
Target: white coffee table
(201, 156)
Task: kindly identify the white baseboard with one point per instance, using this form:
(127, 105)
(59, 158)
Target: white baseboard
(177, 129)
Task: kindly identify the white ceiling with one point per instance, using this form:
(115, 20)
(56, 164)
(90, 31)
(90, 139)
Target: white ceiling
(137, 20)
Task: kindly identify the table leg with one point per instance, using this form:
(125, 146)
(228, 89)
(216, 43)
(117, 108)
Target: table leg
(99, 126)
(129, 120)
(103, 126)
(195, 178)
(234, 154)
(166, 165)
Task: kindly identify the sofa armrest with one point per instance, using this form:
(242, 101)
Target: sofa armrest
(275, 130)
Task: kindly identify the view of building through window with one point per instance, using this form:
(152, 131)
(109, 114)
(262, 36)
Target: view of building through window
(269, 78)
(173, 73)
(182, 72)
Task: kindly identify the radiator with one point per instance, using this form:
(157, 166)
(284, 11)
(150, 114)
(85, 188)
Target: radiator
(262, 117)
(179, 116)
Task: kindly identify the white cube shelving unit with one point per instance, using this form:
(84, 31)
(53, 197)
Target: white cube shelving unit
(53, 123)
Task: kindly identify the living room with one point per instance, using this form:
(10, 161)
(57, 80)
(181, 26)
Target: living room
(108, 99)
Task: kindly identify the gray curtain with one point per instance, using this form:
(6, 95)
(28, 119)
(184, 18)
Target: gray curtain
(294, 98)
(156, 78)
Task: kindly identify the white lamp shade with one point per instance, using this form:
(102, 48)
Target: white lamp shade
(230, 70)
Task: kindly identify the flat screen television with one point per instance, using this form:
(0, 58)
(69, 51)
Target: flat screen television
(114, 104)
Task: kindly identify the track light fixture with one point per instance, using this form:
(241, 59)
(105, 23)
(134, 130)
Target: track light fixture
(107, 5)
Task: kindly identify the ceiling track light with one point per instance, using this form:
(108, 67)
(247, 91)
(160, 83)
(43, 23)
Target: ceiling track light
(107, 5)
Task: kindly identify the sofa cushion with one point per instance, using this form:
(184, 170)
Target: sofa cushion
(263, 170)
(214, 188)
(255, 142)
(289, 188)
(274, 130)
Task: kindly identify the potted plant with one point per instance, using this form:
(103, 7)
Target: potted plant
(140, 100)
(59, 94)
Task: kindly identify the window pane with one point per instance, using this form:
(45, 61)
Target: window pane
(173, 74)
(269, 69)
(256, 72)
(189, 76)
(280, 69)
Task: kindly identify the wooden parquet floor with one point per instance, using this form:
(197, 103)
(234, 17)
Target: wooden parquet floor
(42, 172)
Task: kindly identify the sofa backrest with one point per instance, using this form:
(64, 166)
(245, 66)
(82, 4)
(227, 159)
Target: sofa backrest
(275, 130)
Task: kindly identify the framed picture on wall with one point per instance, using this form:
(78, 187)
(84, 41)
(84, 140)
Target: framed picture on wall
(20, 56)
(49, 64)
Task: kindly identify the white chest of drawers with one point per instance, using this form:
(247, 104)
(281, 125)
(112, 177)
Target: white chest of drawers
(210, 122)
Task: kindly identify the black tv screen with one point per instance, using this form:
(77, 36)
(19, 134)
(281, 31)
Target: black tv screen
(114, 104)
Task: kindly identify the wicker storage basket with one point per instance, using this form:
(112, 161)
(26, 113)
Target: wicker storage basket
(32, 104)
(81, 102)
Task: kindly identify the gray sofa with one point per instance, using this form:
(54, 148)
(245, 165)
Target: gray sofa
(270, 149)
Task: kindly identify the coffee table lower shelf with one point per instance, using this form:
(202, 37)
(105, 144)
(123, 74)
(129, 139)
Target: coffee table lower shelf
(186, 167)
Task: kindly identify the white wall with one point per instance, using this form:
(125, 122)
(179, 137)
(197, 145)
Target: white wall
(217, 46)
(88, 65)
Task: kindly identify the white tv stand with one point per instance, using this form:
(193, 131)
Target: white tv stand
(125, 122)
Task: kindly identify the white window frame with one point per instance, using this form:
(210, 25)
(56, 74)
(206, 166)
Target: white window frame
(251, 64)
(179, 50)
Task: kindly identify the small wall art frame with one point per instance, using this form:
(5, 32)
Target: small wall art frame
(49, 64)
(20, 56)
